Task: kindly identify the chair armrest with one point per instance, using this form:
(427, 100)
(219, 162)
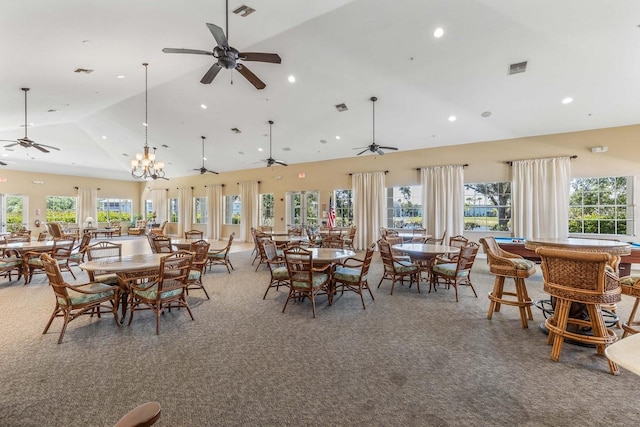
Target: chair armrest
(321, 269)
(217, 251)
(84, 291)
(356, 262)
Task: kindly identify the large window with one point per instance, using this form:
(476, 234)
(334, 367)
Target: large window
(114, 210)
(200, 210)
(343, 200)
(173, 210)
(61, 209)
(601, 205)
(404, 207)
(266, 209)
(487, 206)
(232, 207)
(14, 210)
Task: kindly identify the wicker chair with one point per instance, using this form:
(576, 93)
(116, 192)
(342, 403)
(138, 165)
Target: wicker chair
(99, 250)
(60, 251)
(221, 256)
(160, 230)
(630, 285)
(277, 266)
(200, 249)
(351, 275)
(437, 240)
(396, 269)
(306, 281)
(161, 244)
(193, 234)
(78, 253)
(456, 270)
(334, 242)
(138, 229)
(349, 238)
(75, 300)
(505, 264)
(580, 282)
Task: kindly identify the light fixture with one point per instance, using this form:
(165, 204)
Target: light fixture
(89, 221)
(452, 118)
(145, 165)
(567, 100)
(439, 32)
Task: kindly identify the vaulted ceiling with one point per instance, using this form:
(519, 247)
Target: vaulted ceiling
(339, 51)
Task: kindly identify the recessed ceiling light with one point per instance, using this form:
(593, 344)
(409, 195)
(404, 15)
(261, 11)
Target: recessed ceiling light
(292, 79)
(104, 136)
(439, 32)
(203, 106)
(486, 113)
(120, 77)
(452, 118)
(259, 149)
(337, 136)
(567, 100)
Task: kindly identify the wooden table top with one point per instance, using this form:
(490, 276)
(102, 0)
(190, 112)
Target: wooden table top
(287, 239)
(183, 243)
(123, 263)
(31, 246)
(425, 249)
(330, 254)
(612, 247)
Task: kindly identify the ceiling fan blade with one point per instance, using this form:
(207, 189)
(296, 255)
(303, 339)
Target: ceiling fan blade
(3, 163)
(218, 34)
(360, 148)
(191, 51)
(10, 140)
(40, 147)
(379, 151)
(281, 163)
(253, 79)
(273, 58)
(36, 145)
(212, 172)
(362, 152)
(211, 74)
(389, 148)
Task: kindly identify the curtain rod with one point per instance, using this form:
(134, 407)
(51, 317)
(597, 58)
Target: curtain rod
(464, 166)
(77, 188)
(385, 172)
(177, 188)
(249, 181)
(222, 185)
(510, 163)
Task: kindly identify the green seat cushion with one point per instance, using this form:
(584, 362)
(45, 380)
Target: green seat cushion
(280, 273)
(78, 256)
(219, 255)
(37, 262)
(152, 293)
(629, 280)
(449, 269)
(523, 264)
(348, 274)
(194, 275)
(78, 298)
(403, 267)
(10, 262)
(110, 278)
(317, 278)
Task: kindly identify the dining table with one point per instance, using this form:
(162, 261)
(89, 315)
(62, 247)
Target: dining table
(329, 255)
(128, 269)
(185, 244)
(288, 239)
(424, 254)
(30, 246)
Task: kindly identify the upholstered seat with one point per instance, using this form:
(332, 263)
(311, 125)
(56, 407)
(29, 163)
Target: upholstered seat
(200, 249)
(305, 280)
(221, 256)
(138, 229)
(396, 270)
(277, 267)
(351, 275)
(458, 272)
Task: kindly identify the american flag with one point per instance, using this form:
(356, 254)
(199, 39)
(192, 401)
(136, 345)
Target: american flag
(332, 214)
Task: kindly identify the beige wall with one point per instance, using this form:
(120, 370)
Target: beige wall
(485, 160)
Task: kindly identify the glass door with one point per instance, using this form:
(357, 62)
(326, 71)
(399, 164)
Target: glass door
(302, 209)
(13, 215)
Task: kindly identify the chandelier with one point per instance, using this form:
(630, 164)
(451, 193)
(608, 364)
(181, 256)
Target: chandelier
(145, 165)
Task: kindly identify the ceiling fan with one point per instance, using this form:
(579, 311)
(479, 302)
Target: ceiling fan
(228, 56)
(271, 161)
(26, 142)
(204, 170)
(373, 147)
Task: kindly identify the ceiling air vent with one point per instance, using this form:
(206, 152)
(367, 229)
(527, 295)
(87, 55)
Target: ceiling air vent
(286, 149)
(236, 130)
(83, 71)
(518, 68)
(341, 107)
(244, 10)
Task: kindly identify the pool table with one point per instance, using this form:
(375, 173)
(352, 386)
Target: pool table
(516, 246)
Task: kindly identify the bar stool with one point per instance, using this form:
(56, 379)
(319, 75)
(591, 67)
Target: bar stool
(144, 415)
(581, 283)
(505, 264)
(630, 285)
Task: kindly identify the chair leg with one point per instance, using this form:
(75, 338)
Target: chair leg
(498, 287)
(53, 316)
(561, 318)
(64, 327)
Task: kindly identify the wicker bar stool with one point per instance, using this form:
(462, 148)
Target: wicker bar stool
(580, 282)
(505, 264)
(630, 285)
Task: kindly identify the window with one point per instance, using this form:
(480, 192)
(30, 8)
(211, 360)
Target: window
(61, 209)
(302, 209)
(266, 209)
(601, 205)
(200, 212)
(487, 206)
(114, 210)
(404, 207)
(14, 209)
(148, 209)
(173, 210)
(232, 210)
(343, 200)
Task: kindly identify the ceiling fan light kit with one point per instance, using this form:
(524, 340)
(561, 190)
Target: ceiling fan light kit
(227, 56)
(145, 166)
(373, 147)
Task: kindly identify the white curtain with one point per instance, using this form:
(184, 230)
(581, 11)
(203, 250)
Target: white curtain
(540, 197)
(159, 201)
(443, 200)
(369, 211)
(185, 216)
(87, 205)
(250, 202)
(214, 207)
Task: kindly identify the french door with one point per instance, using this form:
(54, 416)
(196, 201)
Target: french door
(13, 212)
(302, 209)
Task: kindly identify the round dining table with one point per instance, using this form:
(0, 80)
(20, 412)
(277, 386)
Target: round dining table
(329, 255)
(424, 254)
(185, 244)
